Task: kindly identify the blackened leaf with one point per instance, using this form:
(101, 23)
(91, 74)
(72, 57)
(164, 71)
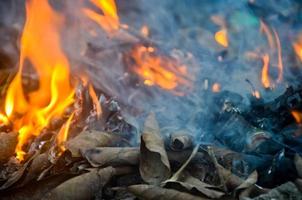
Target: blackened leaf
(151, 192)
(154, 164)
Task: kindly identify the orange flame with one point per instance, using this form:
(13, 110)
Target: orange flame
(298, 47)
(280, 62)
(63, 133)
(265, 72)
(95, 100)
(40, 44)
(298, 116)
(109, 21)
(160, 71)
(145, 31)
(221, 37)
(256, 94)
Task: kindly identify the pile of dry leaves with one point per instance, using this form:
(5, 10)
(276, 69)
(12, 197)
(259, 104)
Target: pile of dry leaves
(103, 165)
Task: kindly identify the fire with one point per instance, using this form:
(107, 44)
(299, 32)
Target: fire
(280, 62)
(40, 44)
(256, 94)
(298, 47)
(221, 37)
(109, 21)
(145, 31)
(298, 116)
(157, 70)
(63, 133)
(265, 72)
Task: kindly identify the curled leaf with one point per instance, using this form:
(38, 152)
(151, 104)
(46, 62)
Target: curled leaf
(151, 192)
(113, 156)
(180, 141)
(8, 142)
(298, 164)
(154, 164)
(91, 139)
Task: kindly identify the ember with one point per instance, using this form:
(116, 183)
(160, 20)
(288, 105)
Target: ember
(150, 99)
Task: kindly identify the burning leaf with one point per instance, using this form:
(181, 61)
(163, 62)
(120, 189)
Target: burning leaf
(297, 115)
(154, 164)
(112, 156)
(31, 112)
(150, 192)
(158, 70)
(8, 142)
(298, 164)
(90, 139)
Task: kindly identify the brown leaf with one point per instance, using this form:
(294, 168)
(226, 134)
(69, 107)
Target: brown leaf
(151, 192)
(249, 182)
(91, 139)
(38, 165)
(85, 186)
(180, 141)
(8, 142)
(112, 156)
(231, 180)
(154, 164)
(193, 185)
(298, 164)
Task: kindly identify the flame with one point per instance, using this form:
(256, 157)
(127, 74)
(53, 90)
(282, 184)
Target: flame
(40, 44)
(216, 87)
(264, 29)
(63, 133)
(256, 94)
(265, 72)
(160, 71)
(298, 47)
(3, 119)
(109, 21)
(280, 62)
(95, 100)
(221, 37)
(297, 115)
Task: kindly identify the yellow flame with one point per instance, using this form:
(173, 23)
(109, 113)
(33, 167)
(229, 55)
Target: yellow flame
(109, 21)
(221, 37)
(40, 44)
(95, 100)
(63, 133)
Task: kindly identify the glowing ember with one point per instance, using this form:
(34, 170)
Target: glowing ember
(256, 94)
(298, 116)
(265, 72)
(221, 37)
(157, 70)
(109, 20)
(40, 44)
(216, 87)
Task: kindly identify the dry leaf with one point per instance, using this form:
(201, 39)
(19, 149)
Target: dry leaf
(195, 186)
(248, 183)
(112, 156)
(151, 192)
(85, 186)
(38, 165)
(90, 139)
(8, 142)
(231, 180)
(154, 164)
(298, 164)
(180, 141)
